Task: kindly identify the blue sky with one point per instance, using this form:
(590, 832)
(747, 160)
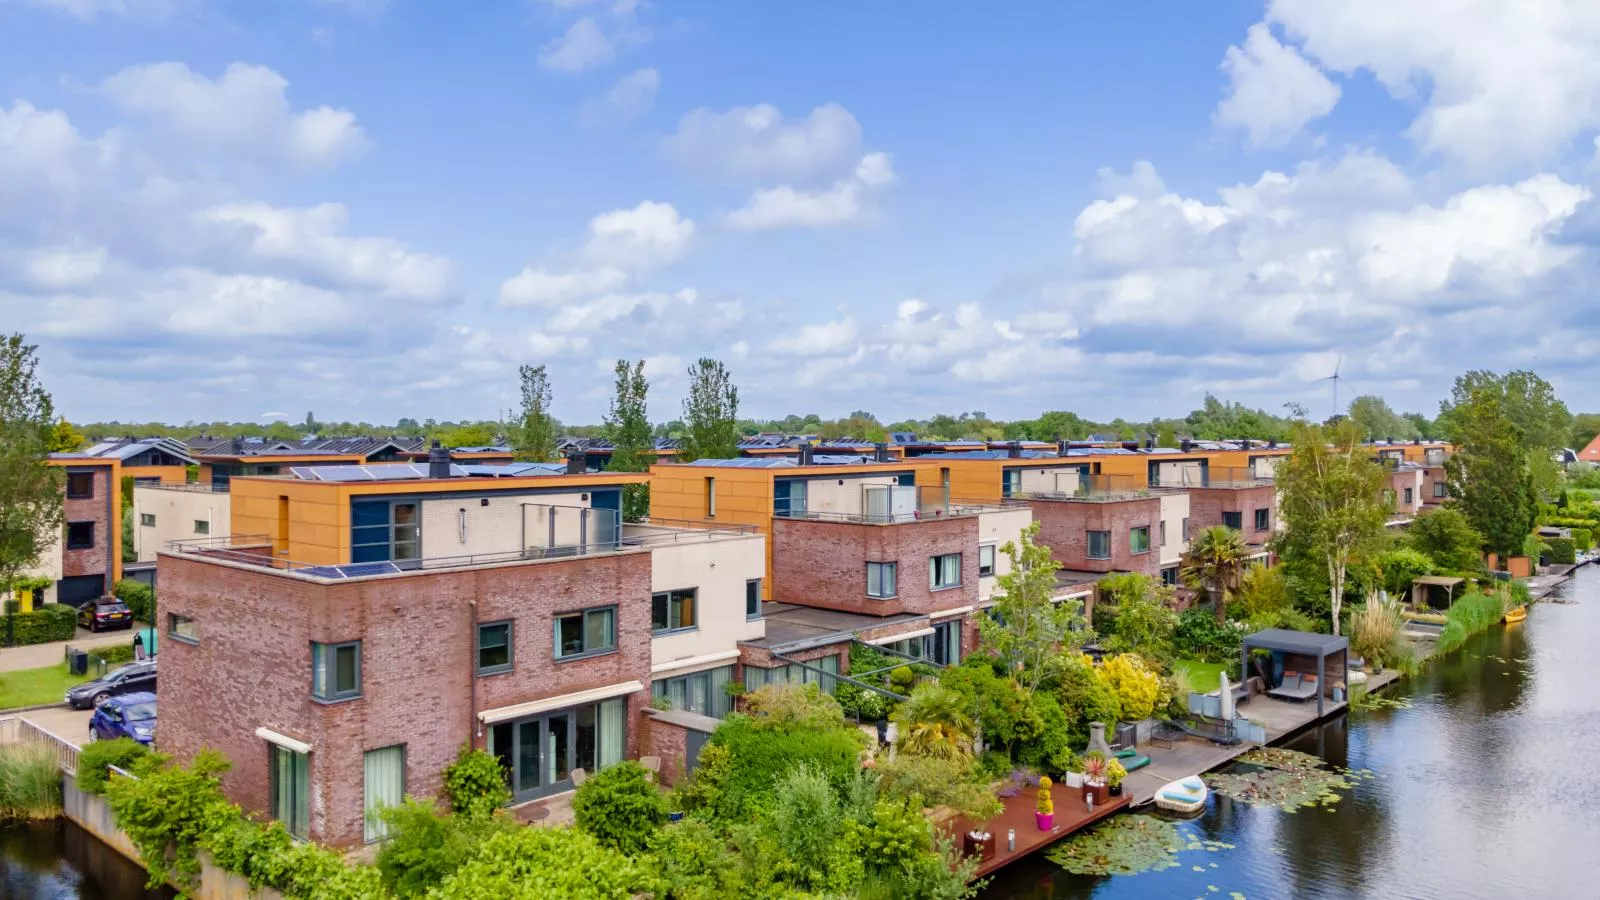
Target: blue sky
(377, 208)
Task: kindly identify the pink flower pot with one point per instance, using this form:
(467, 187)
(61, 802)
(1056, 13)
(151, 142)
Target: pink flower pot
(1045, 821)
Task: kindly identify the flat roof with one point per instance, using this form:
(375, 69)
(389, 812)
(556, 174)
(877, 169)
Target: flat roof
(1308, 642)
(1438, 580)
(790, 625)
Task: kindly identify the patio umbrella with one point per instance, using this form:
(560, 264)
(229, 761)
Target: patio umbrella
(1227, 699)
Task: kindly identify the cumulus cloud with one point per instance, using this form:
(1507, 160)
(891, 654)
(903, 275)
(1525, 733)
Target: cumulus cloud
(539, 287)
(631, 97)
(756, 144)
(786, 207)
(650, 234)
(1273, 90)
(583, 46)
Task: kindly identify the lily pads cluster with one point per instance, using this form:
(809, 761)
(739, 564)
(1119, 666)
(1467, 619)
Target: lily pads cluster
(1287, 779)
(1128, 845)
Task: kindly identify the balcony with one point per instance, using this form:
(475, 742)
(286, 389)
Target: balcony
(1094, 489)
(1214, 477)
(885, 505)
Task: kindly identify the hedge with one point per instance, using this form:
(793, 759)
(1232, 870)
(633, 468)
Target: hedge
(140, 598)
(1583, 539)
(1562, 551)
(50, 622)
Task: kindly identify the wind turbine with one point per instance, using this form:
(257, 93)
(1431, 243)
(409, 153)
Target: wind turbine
(1335, 379)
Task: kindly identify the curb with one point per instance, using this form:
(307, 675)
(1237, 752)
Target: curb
(35, 708)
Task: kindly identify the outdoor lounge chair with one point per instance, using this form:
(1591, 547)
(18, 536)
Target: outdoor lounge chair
(1295, 687)
(1131, 760)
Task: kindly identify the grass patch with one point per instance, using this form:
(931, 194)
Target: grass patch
(1468, 616)
(30, 782)
(32, 687)
(1200, 677)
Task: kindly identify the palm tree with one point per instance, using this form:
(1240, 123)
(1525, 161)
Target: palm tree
(933, 722)
(1215, 560)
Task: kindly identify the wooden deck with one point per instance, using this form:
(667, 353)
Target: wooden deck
(1070, 816)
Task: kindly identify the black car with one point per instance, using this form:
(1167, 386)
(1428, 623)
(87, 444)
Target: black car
(139, 676)
(106, 612)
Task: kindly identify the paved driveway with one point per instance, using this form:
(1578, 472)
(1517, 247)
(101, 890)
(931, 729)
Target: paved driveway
(63, 722)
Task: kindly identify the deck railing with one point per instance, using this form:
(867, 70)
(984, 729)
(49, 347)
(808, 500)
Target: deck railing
(17, 730)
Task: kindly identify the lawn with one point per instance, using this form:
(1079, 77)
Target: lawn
(1195, 675)
(32, 687)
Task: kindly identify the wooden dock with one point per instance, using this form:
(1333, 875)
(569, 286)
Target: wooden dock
(1071, 815)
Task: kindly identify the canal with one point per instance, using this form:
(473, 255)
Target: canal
(1487, 786)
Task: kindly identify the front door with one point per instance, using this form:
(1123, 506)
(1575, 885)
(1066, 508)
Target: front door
(535, 754)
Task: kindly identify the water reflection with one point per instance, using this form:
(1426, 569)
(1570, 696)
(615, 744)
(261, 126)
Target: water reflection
(1485, 787)
(60, 861)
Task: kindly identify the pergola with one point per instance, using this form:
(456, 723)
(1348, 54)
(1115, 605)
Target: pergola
(1298, 643)
(1421, 585)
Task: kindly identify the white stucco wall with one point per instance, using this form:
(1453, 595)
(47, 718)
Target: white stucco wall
(1266, 466)
(48, 566)
(503, 524)
(176, 512)
(828, 495)
(997, 528)
(1178, 473)
(1052, 480)
(1174, 509)
(718, 570)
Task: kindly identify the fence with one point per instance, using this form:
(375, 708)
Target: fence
(17, 730)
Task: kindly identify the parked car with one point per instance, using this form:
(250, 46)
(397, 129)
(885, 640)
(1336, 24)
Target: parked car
(130, 716)
(106, 612)
(132, 678)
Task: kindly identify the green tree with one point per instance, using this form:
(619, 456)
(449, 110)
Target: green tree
(1446, 537)
(1214, 560)
(1330, 497)
(1488, 475)
(64, 438)
(710, 414)
(1376, 421)
(539, 863)
(933, 721)
(621, 807)
(1166, 435)
(476, 434)
(1141, 614)
(627, 427)
(1027, 625)
(31, 492)
(1527, 400)
(534, 437)
(1584, 428)
(1426, 428)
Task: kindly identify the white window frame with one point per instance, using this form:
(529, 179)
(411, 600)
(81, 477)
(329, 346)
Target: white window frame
(985, 571)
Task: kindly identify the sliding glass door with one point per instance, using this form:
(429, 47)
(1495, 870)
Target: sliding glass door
(538, 754)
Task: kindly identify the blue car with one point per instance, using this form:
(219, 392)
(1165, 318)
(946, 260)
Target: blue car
(129, 716)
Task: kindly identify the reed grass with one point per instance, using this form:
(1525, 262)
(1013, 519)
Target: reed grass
(30, 782)
(1469, 615)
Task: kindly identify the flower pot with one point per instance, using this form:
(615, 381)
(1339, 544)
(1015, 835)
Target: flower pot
(1073, 780)
(1114, 790)
(675, 817)
(1045, 821)
(978, 849)
(1097, 791)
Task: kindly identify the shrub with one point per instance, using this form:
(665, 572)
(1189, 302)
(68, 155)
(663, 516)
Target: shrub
(998, 704)
(476, 784)
(620, 807)
(1085, 697)
(1583, 539)
(901, 678)
(1199, 635)
(758, 755)
(955, 783)
(868, 706)
(140, 598)
(30, 782)
(934, 722)
(1263, 591)
(705, 790)
(1377, 633)
(791, 707)
(1399, 567)
(1050, 749)
(536, 863)
(424, 846)
(1563, 551)
(695, 864)
(114, 655)
(47, 623)
(808, 825)
(1136, 686)
(169, 809)
(124, 753)
(1143, 621)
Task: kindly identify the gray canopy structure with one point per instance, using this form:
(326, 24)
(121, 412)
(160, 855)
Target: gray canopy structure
(1302, 649)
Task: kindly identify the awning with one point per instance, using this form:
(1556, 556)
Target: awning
(690, 662)
(948, 613)
(283, 740)
(593, 695)
(921, 632)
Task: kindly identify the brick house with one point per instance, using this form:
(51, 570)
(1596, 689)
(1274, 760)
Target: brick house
(352, 635)
(1237, 498)
(87, 561)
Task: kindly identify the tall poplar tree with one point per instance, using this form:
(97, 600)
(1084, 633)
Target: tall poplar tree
(535, 434)
(31, 492)
(627, 427)
(1489, 474)
(710, 414)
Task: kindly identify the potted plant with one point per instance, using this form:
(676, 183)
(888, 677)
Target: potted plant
(979, 844)
(1045, 810)
(1114, 775)
(1094, 776)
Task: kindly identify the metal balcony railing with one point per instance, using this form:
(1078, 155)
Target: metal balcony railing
(1094, 489)
(1213, 477)
(887, 505)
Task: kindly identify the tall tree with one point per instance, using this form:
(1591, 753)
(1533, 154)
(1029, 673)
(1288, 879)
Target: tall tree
(1027, 626)
(1526, 399)
(31, 492)
(1215, 559)
(1489, 475)
(1331, 498)
(1448, 539)
(1584, 427)
(710, 414)
(64, 438)
(534, 437)
(1376, 421)
(627, 427)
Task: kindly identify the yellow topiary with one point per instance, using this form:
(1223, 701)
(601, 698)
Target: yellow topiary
(1046, 804)
(1136, 686)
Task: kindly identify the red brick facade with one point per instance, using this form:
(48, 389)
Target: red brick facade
(1064, 527)
(251, 667)
(824, 564)
(95, 560)
(1431, 495)
(1206, 506)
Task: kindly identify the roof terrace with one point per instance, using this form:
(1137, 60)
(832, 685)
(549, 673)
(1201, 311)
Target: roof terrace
(1213, 477)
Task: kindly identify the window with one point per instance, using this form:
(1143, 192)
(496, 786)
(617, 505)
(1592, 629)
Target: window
(80, 485)
(291, 791)
(699, 692)
(1139, 539)
(881, 578)
(1234, 520)
(385, 786)
(947, 643)
(672, 610)
(1185, 532)
(1163, 532)
(183, 628)
(1011, 484)
(201, 526)
(944, 572)
(756, 677)
(80, 535)
(586, 632)
(1410, 497)
(1439, 489)
(711, 498)
(1169, 576)
(148, 520)
(752, 599)
(382, 531)
(494, 647)
(985, 560)
(336, 670)
(1264, 519)
(1099, 545)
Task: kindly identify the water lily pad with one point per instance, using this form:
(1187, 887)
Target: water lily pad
(1124, 845)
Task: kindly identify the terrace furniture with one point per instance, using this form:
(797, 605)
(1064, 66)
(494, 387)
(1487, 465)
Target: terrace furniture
(579, 776)
(1131, 759)
(652, 766)
(1295, 686)
(1165, 734)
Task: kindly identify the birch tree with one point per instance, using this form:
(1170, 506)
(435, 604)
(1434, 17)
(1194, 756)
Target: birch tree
(1027, 626)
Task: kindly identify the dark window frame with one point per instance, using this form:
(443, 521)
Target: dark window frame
(934, 565)
(583, 614)
(1440, 489)
(147, 520)
(667, 597)
(752, 592)
(983, 570)
(1147, 545)
(1238, 520)
(73, 477)
(330, 693)
(202, 526)
(1264, 518)
(80, 544)
(1089, 542)
(297, 819)
(511, 648)
(893, 567)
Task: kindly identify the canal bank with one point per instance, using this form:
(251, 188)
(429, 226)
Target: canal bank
(1480, 787)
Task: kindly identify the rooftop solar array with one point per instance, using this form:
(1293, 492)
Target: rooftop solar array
(419, 471)
(764, 462)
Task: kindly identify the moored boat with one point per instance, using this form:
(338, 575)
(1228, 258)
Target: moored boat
(1516, 614)
(1186, 795)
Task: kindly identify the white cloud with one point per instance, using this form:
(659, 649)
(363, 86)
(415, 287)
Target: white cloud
(538, 287)
(583, 46)
(650, 234)
(1141, 182)
(756, 144)
(631, 97)
(63, 268)
(1500, 82)
(243, 114)
(787, 207)
(1273, 91)
(838, 338)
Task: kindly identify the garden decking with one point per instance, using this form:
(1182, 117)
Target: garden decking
(1071, 816)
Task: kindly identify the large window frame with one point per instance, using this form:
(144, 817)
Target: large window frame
(290, 803)
(883, 580)
(668, 611)
(593, 624)
(1264, 517)
(328, 684)
(1440, 489)
(944, 572)
(80, 535)
(397, 538)
(1234, 520)
(375, 829)
(1097, 545)
(183, 628)
(700, 692)
(508, 645)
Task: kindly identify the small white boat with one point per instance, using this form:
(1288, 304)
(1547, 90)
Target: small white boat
(1185, 795)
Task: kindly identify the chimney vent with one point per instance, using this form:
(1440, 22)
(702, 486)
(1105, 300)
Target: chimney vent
(577, 464)
(1186, 445)
(438, 461)
(1149, 443)
(880, 452)
(807, 454)
(1061, 447)
(236, 446)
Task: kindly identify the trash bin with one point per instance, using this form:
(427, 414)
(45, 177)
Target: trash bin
(77, 662)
